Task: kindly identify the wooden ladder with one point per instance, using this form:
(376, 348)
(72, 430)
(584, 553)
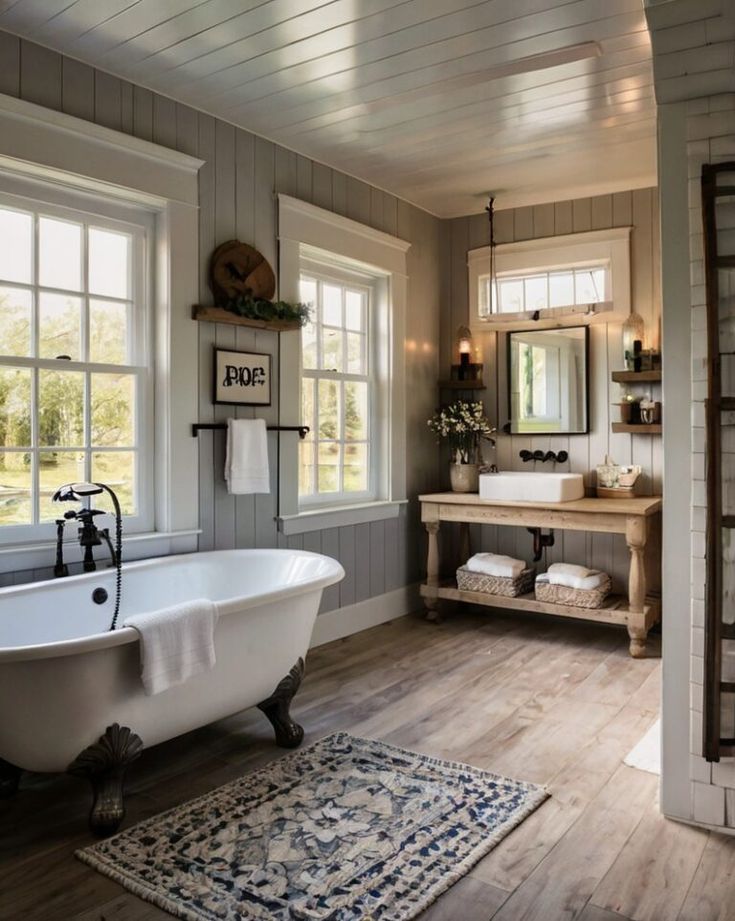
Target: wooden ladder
(718, 192)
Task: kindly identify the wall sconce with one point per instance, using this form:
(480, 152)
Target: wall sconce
(469, 367)
(464, 344)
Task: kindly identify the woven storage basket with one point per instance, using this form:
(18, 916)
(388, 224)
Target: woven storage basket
(468, 581)
(574, 597)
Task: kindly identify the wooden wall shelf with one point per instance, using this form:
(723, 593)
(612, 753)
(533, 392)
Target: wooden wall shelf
(636, 377)
(462, 385)
(653, 429)
(219, 315)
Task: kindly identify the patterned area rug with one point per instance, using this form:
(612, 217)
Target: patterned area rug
(346, 830)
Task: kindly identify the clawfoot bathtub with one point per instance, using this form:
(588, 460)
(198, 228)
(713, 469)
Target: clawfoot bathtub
(71, 697)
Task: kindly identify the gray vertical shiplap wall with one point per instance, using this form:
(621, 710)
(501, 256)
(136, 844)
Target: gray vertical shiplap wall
(237, 186)
(639, 210)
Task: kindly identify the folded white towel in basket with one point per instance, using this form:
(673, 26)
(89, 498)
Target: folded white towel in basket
(569, 569)
(594, 578)
(176, 643)
(495, 564)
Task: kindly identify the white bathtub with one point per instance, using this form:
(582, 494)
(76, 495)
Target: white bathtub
(64, 678)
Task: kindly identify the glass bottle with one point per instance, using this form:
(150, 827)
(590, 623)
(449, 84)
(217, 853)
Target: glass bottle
(633, 333)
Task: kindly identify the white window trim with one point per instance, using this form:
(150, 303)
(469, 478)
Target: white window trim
(358, 513)
(301, 224)
(78, 155)
(28, 195)
(610, 246)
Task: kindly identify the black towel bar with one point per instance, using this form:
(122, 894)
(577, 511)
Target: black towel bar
(197, 427)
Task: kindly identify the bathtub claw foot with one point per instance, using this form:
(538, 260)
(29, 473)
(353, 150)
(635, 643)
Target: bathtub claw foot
(104, 763)
(9, 779)
(288, 733)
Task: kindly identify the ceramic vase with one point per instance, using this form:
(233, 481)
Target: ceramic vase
(464, 477)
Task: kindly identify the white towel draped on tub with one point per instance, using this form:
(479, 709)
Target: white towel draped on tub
(495, 564)
(176, 643)
(246, 461)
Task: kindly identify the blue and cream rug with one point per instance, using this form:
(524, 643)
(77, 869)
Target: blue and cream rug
(346, 830)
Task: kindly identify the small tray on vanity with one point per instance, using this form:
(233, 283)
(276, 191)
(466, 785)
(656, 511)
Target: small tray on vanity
(616, 492)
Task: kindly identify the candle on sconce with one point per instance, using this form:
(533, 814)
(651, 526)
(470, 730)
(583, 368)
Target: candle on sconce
(464, 340)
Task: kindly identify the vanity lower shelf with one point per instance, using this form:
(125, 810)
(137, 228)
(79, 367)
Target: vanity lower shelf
(615, 610)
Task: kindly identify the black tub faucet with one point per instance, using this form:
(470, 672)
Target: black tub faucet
(90, 536)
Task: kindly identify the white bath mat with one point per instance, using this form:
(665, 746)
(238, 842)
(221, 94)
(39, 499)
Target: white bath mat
(646, 755)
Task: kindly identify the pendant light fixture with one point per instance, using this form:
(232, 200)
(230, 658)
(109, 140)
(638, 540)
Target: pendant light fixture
(492, 282)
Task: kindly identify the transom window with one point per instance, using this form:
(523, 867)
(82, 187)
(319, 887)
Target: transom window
(559, 277)
(337, 388)
(74, 375)
(541, 290)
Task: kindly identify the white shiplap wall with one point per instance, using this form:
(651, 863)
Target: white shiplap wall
(237, 185)
(694, 69)
(693, 48)
(637, 209)
(710, 139)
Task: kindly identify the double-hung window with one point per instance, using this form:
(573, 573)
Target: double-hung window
(75, 376)
(340, 457)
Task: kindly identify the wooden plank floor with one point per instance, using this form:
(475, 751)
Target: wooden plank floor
(542, 699)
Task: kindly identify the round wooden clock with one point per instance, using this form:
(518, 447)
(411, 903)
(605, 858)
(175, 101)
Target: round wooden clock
(237, 270)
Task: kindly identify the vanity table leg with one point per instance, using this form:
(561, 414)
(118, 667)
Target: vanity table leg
(635, 537)
(432, 569)
(464, 543)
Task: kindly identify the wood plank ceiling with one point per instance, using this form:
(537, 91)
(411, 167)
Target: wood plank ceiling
(438, 101)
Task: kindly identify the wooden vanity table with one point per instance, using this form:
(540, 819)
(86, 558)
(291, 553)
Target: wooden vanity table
(638, 519)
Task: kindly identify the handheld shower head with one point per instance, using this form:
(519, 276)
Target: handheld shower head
(75, 492)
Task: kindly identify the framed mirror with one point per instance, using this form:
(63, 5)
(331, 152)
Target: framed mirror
(548, 381)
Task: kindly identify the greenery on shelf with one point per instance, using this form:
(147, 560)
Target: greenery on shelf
(258, 308)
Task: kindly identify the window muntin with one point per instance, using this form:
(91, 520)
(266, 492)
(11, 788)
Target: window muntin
(519, 292)
(74, 374)
(336, 459)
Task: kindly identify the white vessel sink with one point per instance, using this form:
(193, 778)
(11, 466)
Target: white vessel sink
(531, 487)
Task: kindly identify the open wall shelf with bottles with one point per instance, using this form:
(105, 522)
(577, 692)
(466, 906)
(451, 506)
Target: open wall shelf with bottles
(636, 377)
(631, 379)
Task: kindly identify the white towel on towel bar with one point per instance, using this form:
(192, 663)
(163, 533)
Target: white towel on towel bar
(495, 564)
(246, 460)
(176, 643)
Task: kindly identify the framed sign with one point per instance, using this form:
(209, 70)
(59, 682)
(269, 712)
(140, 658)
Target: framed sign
(242, 377)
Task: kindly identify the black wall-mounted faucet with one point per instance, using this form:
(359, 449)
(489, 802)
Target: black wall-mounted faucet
(558, 457)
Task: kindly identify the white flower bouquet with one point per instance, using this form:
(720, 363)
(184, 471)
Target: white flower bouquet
(464, 425)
